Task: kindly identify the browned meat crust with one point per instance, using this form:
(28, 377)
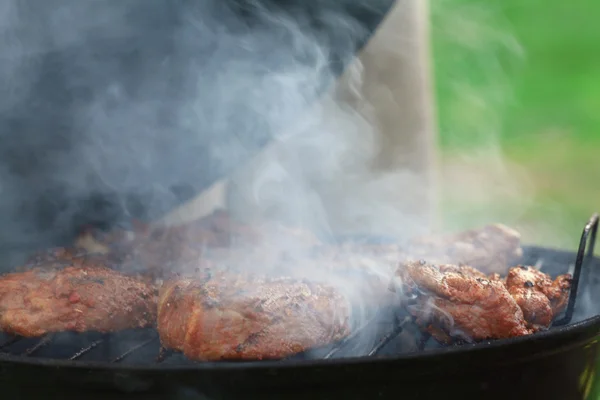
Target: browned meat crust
(154, 249)
(231, 317)
(461, 303)
(161, 250)
(491, 249)
(52, 258)
(456, 303)
(69, 293)
(540, 298)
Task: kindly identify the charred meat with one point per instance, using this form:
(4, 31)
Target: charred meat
(457, 303)
(146, 249)
(540, 298)
(491, 249)
(461, 303)
(233, 317)
(155, 250)
(53, 258)
(73, 294)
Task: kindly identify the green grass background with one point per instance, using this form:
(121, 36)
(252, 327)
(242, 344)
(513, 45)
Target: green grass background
(518, 101)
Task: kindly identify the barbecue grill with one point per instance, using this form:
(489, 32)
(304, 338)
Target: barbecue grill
(560, 363)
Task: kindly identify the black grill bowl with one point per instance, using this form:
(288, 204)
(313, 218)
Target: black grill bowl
(560, 363)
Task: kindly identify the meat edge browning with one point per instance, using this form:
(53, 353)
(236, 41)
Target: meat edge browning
(490, 248)
(65, 299)
(442, 308)
(235, 329)
(540, 297)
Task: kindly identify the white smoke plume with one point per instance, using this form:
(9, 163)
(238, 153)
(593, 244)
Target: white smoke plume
(113, 110)
(123, 109)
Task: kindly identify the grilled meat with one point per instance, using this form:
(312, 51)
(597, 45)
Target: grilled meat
(155, 250)
(232, 317)
(52, 258)
(73, 294)
(491, 249)
(457, 302)
(540, 298)
(149, 250)
(462, 302)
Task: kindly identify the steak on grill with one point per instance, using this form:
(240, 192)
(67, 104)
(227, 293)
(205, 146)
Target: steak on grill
(491, 249)
(63, 292)
(461, 303)
(160, 250)
(540, 298)
(454, 303)
(229, 316)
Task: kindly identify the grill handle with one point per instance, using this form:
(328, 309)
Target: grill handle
(584, 254)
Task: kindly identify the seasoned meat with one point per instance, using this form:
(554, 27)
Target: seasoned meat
(364, 271)
(52, 258)
(161, 250)
(459, 302)
(232, 317)
(82, 296)
(540, 298)
(148, 249)
(491, 249)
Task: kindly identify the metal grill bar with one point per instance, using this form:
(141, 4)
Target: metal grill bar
(133, 350)
(347, 340)
(44, 341)
(10, 342)
(86, 350)
(583, 257)
(398, 328)
(163, 354)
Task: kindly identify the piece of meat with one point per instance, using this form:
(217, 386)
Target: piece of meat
(227, 316)
(52, 258)
(158, 251)
(491, 249)
(454, 302)
(540, 298)
(364, 271)
(73, 294)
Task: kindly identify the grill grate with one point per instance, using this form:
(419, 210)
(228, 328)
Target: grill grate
(85, 350)
(136, 348)
(44, 341)
(146, 344)
(143, 345)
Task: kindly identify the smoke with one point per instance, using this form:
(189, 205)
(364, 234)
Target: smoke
(478, 58)
(114, 110)
(118, 110)
(325, 173)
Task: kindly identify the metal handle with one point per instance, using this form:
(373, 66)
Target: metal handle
(587, 242)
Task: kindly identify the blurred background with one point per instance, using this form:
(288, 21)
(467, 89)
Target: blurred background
(518, 101)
